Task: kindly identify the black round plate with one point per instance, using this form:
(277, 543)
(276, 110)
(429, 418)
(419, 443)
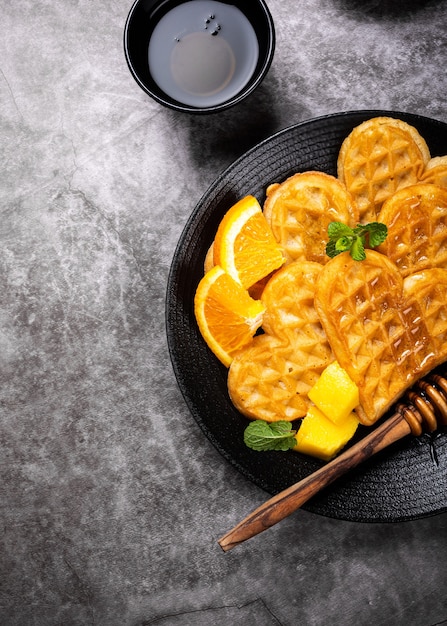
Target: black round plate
(407, 480)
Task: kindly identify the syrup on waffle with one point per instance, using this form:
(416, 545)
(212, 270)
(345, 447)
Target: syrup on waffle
(379, 157)
(429, 290)
(270, 379)
(300, 209)
(416, 218)
(384, 331)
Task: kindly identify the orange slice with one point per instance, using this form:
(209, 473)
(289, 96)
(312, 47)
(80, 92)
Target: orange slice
(244, 245)
(226, 315)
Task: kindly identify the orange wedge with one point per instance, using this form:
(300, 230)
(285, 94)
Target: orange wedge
(244, 245)
(226, 315)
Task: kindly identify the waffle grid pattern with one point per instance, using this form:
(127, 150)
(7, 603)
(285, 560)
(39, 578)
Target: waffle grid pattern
(383, 335)
(270, 379)
(300, 210)
(375, 163)
(429, 289)
(417, 228)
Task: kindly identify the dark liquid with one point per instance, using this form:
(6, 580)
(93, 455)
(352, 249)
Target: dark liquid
(203, 52)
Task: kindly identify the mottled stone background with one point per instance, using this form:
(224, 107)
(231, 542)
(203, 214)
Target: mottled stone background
(111, 497)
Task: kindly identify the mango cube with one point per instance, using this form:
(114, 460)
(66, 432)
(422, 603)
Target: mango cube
(334, 393)
(318, 436)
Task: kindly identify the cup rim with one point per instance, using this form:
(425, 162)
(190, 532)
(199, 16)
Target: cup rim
(165, 100)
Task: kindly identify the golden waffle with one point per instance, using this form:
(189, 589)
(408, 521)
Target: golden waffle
(379, 157)
(429, 289)
(436, 171)
(270, 379)
(384, 331)
(416, 218)
(300, 209)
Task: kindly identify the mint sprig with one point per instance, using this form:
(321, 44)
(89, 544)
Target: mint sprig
(343, 238)
(260, 435)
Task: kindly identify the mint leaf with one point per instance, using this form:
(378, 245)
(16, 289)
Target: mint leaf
(338, 229)
(377, 233)
(343, 243)
(358, 249)
(331, 248)
(343, 238)
(260, 435)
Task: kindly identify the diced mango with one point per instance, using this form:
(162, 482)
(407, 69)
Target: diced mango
(335, 393)
(318, 436)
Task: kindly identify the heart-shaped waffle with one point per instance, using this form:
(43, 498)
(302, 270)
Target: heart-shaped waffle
(270, 379)
(300, 209)
(385, 331)
(379, 157)
(416, 218)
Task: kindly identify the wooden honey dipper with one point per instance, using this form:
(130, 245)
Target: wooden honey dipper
(423, 409)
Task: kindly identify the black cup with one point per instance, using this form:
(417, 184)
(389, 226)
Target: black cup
(146, 14)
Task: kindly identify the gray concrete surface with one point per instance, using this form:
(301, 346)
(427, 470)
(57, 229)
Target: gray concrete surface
(111, 498)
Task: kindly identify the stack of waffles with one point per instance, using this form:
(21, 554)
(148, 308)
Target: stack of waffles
(383, 319)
